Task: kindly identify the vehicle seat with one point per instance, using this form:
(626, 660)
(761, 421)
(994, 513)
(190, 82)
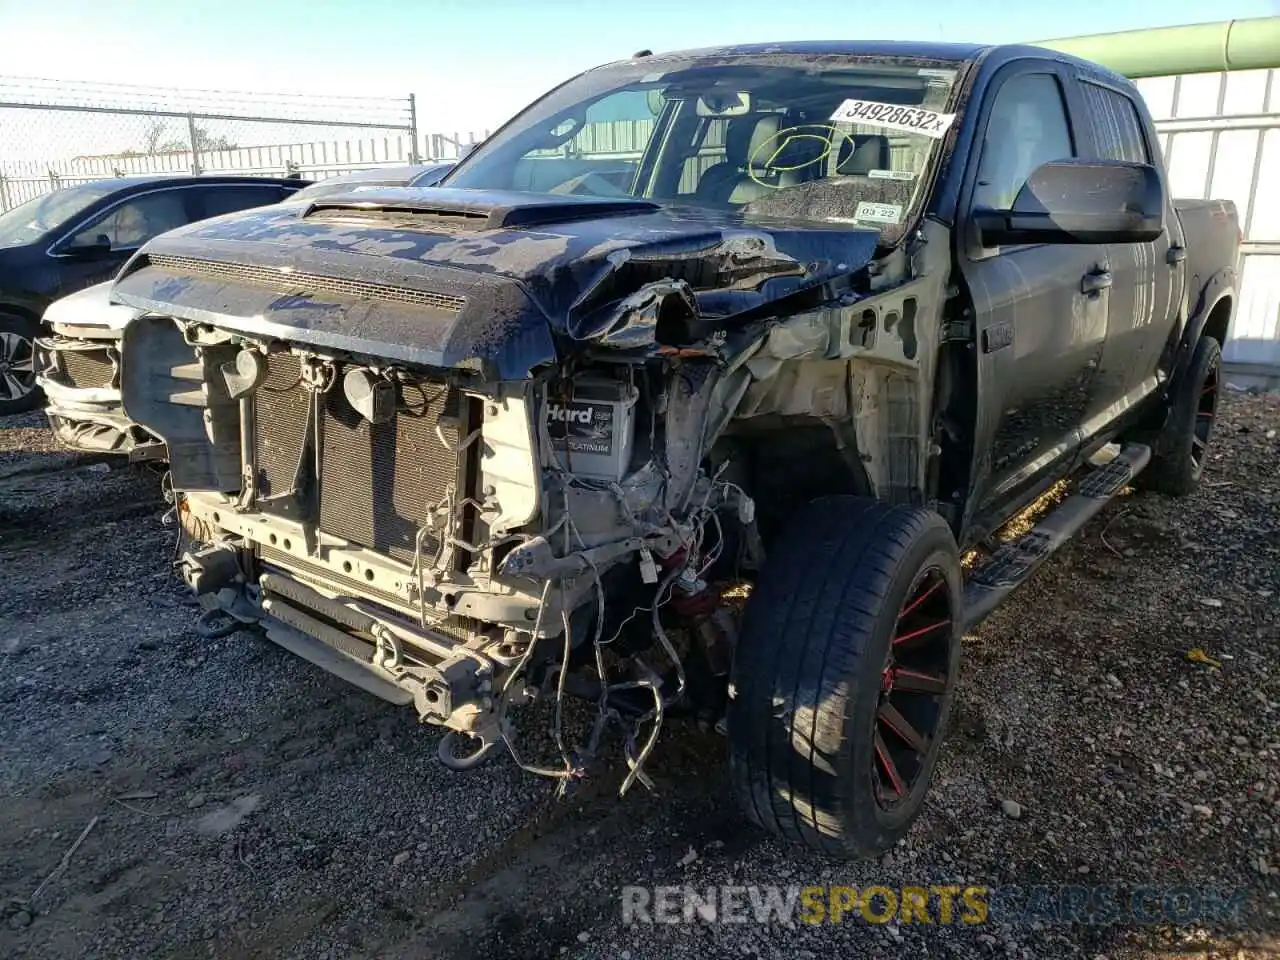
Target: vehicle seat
(719, 180)
(862, 153)
(738, 180)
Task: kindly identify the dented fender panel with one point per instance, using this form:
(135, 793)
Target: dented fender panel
(868, 360)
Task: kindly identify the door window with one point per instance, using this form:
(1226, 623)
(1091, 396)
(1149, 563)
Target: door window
(1117, 127)
(1027, 127)
(220, 200)
(135, 221)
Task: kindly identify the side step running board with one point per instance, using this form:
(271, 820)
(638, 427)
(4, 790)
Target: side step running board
(1015, 561)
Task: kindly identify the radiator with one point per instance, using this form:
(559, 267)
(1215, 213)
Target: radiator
(280, 424)
(87, 368)
(378, 482)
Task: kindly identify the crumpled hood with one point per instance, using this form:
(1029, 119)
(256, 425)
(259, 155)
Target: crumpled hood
(515, 280)
(90, 307)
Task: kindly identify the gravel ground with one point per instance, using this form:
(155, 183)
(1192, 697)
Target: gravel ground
(245, 804)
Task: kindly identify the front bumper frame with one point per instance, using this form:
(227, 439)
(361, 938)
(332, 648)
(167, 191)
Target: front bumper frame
(90, 419)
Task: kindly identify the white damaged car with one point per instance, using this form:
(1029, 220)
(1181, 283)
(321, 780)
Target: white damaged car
(78, 367)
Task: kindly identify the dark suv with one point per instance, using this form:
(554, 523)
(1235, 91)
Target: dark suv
(73, 238)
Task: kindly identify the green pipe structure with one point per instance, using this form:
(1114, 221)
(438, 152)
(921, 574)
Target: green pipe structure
(1194, 48)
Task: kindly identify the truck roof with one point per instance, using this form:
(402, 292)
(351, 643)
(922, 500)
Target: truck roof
(923, 50)
(888, 49)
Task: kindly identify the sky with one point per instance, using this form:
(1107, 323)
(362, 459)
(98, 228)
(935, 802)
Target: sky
(473, 63)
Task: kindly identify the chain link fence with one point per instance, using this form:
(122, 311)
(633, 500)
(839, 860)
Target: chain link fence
(59, 133)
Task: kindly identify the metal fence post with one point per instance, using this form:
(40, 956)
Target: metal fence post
(414, 156)
(193, 133)
(4, 193)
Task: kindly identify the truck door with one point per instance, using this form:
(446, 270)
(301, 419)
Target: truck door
(1040, 310)
(1143, 274)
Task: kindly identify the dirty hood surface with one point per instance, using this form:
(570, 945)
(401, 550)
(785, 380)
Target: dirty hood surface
(445, 276)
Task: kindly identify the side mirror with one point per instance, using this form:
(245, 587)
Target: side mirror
(100, 247)
(1080, 201)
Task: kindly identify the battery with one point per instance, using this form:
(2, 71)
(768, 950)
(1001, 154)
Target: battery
(592, 432)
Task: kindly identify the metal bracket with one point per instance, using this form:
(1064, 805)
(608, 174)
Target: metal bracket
(388, 653)
(448, 753)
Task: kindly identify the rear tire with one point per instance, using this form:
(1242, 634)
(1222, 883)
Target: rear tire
(858, 604)
(18, 390)
(1183, 446)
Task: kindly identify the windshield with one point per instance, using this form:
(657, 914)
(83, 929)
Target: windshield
(818, 138)
(30, 221)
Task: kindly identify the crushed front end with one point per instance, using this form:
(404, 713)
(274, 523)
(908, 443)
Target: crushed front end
(78, 368)
(483, 448)
(420, 530)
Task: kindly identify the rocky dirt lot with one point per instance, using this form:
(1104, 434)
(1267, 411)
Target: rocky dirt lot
(244, 804)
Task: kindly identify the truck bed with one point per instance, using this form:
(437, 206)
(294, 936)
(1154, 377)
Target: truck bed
(1212, 240)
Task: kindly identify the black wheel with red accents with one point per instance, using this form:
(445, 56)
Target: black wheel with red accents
(845, 673)
(916, 678)
(1182, 449)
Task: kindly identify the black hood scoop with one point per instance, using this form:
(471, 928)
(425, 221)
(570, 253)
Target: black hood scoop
(473, 209)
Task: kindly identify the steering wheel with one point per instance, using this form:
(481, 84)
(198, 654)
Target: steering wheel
(819, 137)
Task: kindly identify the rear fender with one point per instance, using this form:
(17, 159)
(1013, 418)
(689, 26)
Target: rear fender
(1219, 287)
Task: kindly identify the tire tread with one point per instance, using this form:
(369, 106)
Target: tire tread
(807, 626)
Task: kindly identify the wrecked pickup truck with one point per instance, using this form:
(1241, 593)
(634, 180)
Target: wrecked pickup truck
(684, 394)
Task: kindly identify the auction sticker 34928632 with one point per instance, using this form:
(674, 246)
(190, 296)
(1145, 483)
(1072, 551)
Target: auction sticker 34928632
(893, 116)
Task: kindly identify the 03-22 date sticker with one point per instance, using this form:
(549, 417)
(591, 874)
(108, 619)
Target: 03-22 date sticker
(869, 212)
(930, 123)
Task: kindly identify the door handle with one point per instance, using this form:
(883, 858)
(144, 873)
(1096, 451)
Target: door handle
(1095, 281)
(1176, 255)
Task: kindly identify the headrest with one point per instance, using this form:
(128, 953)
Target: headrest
(764, 140)
(737, 139)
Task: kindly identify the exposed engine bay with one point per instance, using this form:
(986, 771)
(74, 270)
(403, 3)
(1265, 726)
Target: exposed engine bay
(529, 436)
(451, 541)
